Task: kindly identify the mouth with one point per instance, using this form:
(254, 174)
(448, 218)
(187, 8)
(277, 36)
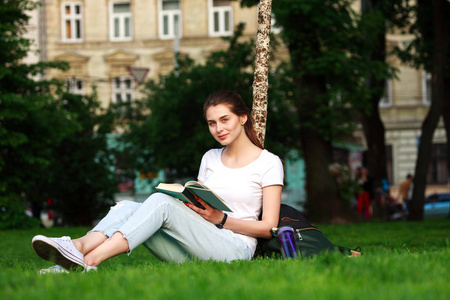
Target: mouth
(223, 136)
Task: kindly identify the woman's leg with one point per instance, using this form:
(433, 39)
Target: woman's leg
(115, 218)
(71, 253)
(114, 246)
(89, 242)
(166, 248)
(196, 236)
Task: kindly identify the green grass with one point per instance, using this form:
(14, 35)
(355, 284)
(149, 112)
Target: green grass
(402, 260)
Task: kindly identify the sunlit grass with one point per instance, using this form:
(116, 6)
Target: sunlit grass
(402, 260)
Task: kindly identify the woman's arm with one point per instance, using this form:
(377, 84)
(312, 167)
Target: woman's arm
(271, 211)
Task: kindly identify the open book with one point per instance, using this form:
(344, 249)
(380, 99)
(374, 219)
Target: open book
(193, 188)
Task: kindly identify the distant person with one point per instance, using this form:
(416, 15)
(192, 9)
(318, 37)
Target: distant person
(244, 174)
(365, 196)
(405, 192)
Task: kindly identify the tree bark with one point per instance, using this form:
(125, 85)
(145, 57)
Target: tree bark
(373, 126)
(261, 75)
(439, 61)
(376, 155)
(323, 203)
(446, 117)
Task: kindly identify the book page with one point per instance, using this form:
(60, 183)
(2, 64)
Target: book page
(196, 184)
(176, 187)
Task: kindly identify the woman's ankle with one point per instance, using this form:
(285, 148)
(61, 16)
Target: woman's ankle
(79, 245)
(91, 260)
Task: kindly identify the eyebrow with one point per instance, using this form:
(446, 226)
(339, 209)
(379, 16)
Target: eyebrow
(224, 116)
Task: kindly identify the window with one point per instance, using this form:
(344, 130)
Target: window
(386, 100)
(122, 90)
(437, 172)
(120, 21)
(426, 88)
(169, 19)
(220, 18)
(75, 85)
(71, 22)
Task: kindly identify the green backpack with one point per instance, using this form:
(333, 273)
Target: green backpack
(310, 240)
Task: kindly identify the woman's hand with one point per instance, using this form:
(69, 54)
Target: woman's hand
(210, 214)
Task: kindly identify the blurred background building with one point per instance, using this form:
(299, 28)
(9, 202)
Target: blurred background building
(117, 44)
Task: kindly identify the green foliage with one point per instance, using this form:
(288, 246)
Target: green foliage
(328, 66)
(83, 181)
(175, 135)
(419, 53)
(12, 215)
(50, 145)
(402, 260)
(30, 122)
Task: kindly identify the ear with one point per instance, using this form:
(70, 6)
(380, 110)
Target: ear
(243, 119)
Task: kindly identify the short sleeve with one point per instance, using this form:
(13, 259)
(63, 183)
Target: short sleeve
(274, 171)
(202, 171)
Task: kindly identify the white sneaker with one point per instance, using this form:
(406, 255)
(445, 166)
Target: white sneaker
(90, 268)
(60, 251)
(54, 269)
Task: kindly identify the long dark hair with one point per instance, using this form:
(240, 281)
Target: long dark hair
(238, 107)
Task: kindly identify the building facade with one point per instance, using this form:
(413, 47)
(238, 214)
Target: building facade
(116, 44)
(403, 110)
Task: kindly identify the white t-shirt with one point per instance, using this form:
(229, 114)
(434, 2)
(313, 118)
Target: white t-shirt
(241, 189)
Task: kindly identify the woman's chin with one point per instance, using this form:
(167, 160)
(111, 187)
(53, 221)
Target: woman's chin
(223, 142)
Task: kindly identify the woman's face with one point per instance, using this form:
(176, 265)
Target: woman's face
(224, 125)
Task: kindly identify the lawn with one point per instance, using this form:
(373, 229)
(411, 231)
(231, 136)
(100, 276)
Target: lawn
(402, 260)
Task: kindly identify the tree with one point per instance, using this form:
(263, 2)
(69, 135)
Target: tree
(51, 144)
(261, 76)
(84, 181)
(176, 125)
(30, 122)
(378, 17)
(327, 68)
(430, 50)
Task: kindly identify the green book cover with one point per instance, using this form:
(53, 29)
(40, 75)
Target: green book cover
(186, 194)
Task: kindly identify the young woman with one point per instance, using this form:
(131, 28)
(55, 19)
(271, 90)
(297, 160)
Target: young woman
(242, 173)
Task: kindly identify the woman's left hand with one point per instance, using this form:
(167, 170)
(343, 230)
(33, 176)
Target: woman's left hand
(210, 214)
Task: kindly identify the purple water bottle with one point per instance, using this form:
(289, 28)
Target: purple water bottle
(287, 242)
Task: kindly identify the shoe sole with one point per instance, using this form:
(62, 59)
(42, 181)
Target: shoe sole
(50, 250)
(54, 270)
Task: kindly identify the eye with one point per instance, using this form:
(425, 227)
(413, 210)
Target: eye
(224, 120)
(210, 124)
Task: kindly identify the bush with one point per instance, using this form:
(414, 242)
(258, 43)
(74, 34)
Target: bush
(12, 216)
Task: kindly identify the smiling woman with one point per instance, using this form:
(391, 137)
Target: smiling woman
(247, 177)
(237, 107)
(225, 126)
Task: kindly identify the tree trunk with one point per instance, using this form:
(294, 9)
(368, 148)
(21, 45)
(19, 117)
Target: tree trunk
(439, 61)
(261, 75)
(323, 203)
(446, 117)
(373, 126)
(376, 155)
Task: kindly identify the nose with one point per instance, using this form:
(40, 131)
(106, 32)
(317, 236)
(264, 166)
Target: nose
(218, 127)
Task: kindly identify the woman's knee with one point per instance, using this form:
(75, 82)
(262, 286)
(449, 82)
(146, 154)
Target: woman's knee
(159, 198)
(124, 204)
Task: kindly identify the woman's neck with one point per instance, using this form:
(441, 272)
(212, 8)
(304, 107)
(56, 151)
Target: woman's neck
(240, 153)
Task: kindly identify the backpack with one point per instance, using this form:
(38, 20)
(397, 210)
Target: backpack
(310, 240)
